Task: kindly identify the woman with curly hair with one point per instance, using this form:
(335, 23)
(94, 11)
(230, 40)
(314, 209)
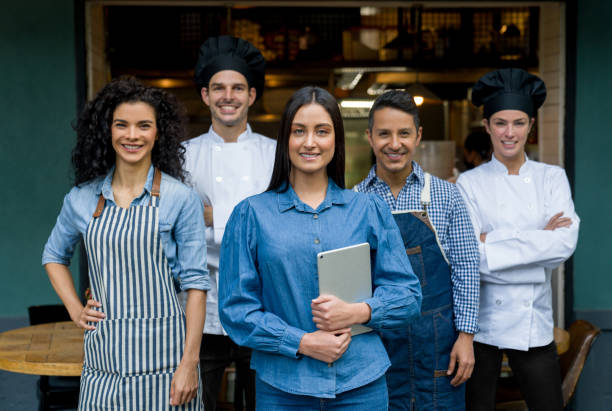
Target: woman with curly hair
(144, 237)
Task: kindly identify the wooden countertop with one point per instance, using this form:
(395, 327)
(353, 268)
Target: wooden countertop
(45, 349)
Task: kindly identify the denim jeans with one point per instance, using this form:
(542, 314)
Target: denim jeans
(537, 373)
(370, 397)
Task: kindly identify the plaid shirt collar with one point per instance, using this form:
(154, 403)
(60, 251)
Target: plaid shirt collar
(417, 175)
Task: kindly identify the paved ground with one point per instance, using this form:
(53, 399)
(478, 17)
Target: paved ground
(17, 391)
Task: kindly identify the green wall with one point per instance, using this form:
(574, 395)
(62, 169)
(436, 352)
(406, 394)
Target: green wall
(37, 106)
(593, 155)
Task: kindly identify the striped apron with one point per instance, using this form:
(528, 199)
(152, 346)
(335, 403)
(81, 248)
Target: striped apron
(132, 354)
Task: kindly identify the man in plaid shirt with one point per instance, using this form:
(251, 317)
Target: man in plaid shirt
(434, 356)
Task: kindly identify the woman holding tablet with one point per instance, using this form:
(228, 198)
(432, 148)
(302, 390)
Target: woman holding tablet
(269, 299)
(524, 217)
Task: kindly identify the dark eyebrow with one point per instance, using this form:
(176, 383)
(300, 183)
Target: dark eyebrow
(231, 85)
(323, 125)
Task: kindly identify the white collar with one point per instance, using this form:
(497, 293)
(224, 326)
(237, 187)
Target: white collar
(245, 136)
(499, 167)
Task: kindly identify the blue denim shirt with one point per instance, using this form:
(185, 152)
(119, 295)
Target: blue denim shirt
(181, 226)
(268, 277)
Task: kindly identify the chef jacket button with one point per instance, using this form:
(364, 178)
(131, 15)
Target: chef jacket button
(527, 180)
(315, 216)
(316, 241)
(219, 179)
(498, 302)
(217, 148)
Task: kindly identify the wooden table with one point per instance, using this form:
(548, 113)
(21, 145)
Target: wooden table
(45, 349)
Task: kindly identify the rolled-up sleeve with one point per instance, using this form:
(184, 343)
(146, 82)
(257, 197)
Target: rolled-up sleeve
(65, 234)
(189, 234)
(464, 261)
(240, 294)
(396, 300)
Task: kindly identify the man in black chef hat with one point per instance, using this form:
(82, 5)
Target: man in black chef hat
(227, 164)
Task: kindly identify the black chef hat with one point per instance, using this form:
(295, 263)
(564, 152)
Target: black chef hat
(230, 53)
(509, 89)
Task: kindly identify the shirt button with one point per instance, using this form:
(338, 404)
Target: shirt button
(217, 148)
(530, 206)
(315, 216)
(218, 179)
(526, 304)
(527, 180)
(245, 178)
(316, 241)
(498, 302)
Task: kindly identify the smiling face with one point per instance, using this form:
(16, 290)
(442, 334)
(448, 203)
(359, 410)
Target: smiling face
(229, 98)
(311, 142)
(133, 133)
(509, 130)
(394, 139)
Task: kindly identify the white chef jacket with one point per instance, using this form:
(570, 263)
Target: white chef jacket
(223, 174)
(518, 255)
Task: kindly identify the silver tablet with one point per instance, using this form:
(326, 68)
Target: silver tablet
(345, 272)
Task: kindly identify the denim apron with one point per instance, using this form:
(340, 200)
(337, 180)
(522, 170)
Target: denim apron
(420, 353)
(131, 356)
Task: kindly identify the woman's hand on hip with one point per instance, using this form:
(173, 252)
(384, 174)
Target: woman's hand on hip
(184, 386)
(330, 313)
(89, 315)
(325, 346)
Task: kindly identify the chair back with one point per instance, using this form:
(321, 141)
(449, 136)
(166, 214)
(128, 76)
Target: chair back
(582, 335)
(42, 314)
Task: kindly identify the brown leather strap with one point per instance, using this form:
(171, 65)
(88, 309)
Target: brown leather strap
(156, 183)
(99, 207)
(414, 250)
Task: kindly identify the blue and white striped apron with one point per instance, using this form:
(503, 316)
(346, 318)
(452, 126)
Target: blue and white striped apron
(132, 354)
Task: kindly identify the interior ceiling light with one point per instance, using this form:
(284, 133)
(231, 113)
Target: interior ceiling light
(357, 104)
(420, 93)
(348, 81)
(368, 11)
(376, 89)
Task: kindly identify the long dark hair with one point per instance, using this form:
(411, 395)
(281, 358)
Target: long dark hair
(93, 155)
(282, 163)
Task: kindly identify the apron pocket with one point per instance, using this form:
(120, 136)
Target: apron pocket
(415, 255)
(136, 345)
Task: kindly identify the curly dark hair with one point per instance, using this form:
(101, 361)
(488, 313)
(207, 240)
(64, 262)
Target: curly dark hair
(93, 155)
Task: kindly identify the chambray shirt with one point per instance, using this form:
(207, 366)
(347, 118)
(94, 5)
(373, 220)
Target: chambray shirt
(268, 277)
(451, 219)
(181, 226)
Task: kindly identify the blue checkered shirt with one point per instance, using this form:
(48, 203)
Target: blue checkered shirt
(454, 227)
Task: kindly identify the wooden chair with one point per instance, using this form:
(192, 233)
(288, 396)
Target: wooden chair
(54, 393)
(582, 335)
